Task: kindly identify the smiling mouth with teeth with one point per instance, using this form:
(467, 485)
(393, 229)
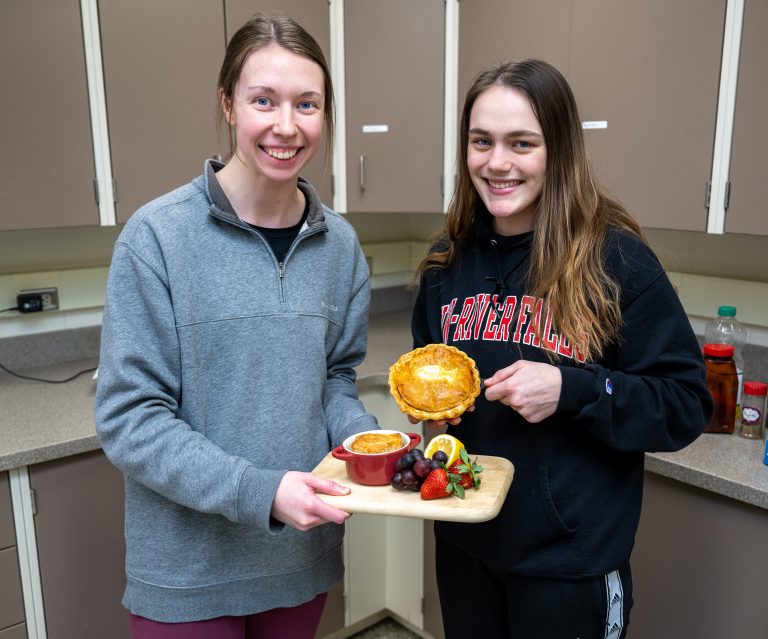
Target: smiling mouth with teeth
(504, 185)
(281, 154)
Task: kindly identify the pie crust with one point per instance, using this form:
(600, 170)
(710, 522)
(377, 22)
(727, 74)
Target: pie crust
(434, 382)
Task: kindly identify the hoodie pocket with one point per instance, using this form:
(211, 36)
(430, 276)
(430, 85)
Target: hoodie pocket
(529, 535)
(533, 535)
(533, 500)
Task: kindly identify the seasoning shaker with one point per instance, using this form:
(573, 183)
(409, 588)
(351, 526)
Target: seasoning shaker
(753, 410)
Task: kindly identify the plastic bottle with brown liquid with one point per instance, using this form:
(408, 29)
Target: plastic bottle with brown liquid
(723, 384)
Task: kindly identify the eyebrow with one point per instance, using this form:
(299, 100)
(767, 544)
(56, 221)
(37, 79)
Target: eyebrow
(522, 133)
(266, 89)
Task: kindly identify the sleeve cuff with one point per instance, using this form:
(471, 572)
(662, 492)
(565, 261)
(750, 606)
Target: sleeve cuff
(578, 389)
(255, 496)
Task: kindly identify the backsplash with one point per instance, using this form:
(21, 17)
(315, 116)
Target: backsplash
(48, 349)
(57, 347)
(756, 363)
(24, 352)
(394, 298)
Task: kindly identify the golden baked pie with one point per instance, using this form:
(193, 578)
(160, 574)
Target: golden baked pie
(371, 443)
(434, 382)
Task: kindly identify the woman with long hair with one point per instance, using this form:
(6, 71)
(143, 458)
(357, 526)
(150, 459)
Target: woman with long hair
(588, 362)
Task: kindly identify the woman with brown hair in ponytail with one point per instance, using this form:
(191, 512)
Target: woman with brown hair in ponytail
(237, 309)
(588, 357)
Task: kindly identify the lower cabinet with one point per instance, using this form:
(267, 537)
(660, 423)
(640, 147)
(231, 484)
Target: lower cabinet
(11, 602)
(80, 546)
(16, 632)
(699, 565)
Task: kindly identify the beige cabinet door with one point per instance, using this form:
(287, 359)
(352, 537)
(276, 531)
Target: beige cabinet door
(494, 31)
(698, 566)
(11, 604)
(394, 104)
(161, 62)
(80, 546)
(46, 164)
(748, 207)
(650, 71)
(16, 632)
(314, 16)
(7, 531)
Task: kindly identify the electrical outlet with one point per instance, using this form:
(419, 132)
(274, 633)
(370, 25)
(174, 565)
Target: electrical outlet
(49, 296)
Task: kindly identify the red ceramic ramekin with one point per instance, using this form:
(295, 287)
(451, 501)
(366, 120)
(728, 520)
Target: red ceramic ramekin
(374, 469)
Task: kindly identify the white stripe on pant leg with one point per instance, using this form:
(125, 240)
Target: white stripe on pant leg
(614, 622)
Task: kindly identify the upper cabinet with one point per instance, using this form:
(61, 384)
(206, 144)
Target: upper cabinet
(161, 97)
(314, 16)
(47, 164)
(497, 30)
(645, 76)
(108, 104)
(394, 105)
(748, 192)
(161, 62)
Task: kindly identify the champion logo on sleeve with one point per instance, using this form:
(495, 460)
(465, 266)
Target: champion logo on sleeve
(609, 386)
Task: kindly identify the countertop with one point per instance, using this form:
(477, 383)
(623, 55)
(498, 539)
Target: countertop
(40, 422)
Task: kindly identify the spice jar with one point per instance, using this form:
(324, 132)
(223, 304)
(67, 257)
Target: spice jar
(723, 384)
(753, 410)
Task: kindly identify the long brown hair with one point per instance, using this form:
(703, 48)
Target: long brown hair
(573, 213)
(259, 32)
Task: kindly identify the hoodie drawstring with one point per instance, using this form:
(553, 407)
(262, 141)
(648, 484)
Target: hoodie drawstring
(500, 291)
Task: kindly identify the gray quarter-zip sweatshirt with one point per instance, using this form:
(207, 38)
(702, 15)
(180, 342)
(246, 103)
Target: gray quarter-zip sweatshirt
(221, 370)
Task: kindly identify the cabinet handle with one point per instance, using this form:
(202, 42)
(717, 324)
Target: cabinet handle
(362, 173)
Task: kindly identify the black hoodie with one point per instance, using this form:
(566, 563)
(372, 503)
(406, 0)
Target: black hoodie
(574, 504)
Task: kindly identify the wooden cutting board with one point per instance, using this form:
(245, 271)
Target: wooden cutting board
(478, 505)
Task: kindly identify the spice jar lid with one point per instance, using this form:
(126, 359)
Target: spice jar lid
(755, 388)
(718, 350)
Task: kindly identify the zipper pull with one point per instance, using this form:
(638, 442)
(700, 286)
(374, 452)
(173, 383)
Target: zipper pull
(281, 270)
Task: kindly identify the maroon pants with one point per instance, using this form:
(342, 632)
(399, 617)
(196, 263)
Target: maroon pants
(298, 623)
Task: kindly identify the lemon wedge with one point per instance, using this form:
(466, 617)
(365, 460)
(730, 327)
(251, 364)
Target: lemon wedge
(448, 444)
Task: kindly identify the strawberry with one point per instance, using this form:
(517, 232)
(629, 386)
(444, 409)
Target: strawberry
(436, 485)
(466, 471)
(465, 479)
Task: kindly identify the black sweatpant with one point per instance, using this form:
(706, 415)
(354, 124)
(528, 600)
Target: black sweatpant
(478, 600)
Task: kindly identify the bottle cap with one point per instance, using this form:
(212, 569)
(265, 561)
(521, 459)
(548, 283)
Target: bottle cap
(755, 388)
(718, 350)
(727, 311)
